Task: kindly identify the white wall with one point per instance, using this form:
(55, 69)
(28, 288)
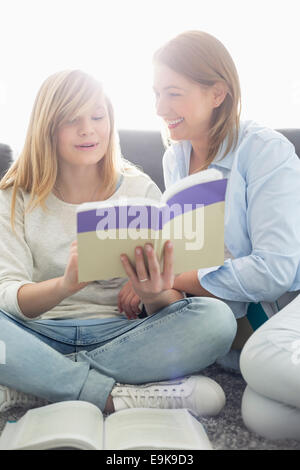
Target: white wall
(115, 40)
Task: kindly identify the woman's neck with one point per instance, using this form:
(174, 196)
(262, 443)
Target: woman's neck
(199, 154)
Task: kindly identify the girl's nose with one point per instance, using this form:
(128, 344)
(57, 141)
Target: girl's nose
(86, 127)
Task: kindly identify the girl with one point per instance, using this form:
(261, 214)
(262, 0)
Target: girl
(198, 97)
(70, 157)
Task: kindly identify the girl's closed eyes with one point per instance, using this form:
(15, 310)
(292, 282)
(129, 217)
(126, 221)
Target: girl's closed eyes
(75, 120)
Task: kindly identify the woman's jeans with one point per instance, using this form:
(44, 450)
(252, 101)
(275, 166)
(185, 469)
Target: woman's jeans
(180, 339)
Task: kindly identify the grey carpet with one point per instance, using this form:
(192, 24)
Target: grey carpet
(226, 431)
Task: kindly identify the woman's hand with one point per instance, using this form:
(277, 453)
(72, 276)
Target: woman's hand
(155, 289)
(69, 281)
(128, 301)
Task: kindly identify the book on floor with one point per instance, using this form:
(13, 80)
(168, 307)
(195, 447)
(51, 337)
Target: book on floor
(190, 214)
(81, 425)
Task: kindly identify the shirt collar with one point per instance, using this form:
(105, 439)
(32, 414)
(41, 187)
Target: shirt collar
(218, 161)
(225, 162)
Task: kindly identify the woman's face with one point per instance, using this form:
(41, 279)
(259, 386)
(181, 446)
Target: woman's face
(84, 139)
(184, 105)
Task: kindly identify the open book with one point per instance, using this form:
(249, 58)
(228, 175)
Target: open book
(190, 214)
(81, 425)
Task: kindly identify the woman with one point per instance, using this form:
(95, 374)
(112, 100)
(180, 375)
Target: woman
(198, 97)
(71, 156)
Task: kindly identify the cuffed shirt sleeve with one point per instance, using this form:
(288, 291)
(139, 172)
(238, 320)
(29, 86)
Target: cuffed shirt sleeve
(273, 225)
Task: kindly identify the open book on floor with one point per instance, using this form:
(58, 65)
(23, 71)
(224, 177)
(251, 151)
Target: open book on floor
(81, 425)
(190, 214)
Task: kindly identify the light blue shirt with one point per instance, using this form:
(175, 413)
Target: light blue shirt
(262, 216)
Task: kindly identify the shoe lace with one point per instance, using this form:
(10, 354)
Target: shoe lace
(19, 398)
(156, 397)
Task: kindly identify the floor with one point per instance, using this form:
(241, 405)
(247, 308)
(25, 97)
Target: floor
(226, 431)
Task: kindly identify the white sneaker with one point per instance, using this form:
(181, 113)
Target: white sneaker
(10, 398)
(200, 394)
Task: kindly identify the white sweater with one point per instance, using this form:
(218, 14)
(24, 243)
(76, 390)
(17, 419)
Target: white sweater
(40, 249)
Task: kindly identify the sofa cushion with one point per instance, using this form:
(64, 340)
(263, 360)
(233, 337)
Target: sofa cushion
(145, 149)
(5, 158)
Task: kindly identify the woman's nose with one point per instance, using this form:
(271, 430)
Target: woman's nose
(162, 107)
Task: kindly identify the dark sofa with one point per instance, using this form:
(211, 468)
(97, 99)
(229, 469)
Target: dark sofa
(6, 158)
(145, 148)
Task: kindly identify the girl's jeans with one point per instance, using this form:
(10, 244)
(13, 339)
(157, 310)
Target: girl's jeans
(178, 340)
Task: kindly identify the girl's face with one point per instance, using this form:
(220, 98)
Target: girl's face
(184, 105)
(84, 139)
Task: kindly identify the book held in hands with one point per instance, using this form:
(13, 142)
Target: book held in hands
(190, 214)
(81, 425)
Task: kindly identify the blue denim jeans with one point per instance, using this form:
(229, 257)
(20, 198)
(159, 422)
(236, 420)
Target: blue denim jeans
(178, 340)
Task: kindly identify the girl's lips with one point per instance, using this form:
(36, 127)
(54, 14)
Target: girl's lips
(87, 146)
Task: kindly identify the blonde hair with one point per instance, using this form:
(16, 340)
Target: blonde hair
(60, 97)
(202, 58)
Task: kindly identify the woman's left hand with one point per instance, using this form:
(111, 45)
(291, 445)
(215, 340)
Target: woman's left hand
(150, 285)
(128, 302)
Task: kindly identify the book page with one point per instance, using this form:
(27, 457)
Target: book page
(144, 428)
(117, 202)
(198, 237)
(69, 424)
(191, 180)
(193, 219)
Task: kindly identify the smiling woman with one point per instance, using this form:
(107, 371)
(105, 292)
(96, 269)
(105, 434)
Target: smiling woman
(260, 274)
(187, 107)
(198, 94)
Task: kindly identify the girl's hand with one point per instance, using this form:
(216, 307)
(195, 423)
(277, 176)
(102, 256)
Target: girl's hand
(128, 301)
(69, 281)
(151, 286)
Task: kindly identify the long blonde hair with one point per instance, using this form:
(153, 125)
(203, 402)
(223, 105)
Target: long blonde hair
(35, 170)
(202, 58)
